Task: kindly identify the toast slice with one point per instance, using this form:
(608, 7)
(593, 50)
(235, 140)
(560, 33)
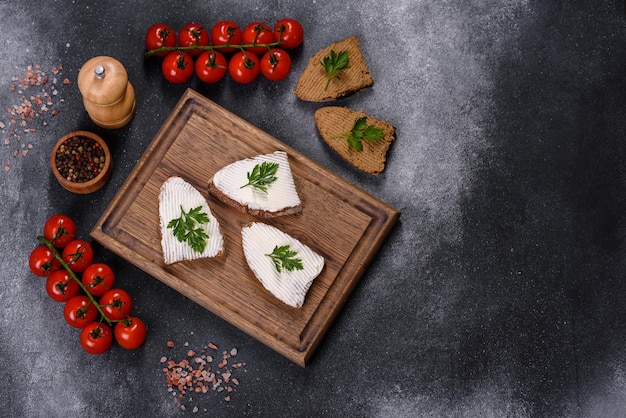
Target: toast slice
(280, 197)
(334, 123)
(290, 285)
(311, 85)
(175, 196)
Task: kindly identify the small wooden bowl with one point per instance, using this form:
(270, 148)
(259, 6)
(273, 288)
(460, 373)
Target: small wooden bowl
(93, 184)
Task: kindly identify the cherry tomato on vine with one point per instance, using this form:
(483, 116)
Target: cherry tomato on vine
(226, 32)
(177, 67)
(130, 333)
(96, 338)
(276, 64)
(160, 35)
(79, 311)
(289, 32)
(60, 286)
(42, 261)
(60, 230)
(193, 34)
(211, 66)
(78, 255)
(244, 67)
(98, 278)
(257, 33)
(116, 304)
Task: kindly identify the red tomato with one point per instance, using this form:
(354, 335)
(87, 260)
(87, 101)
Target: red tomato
(60, 230)
(96, 338)
(116, 304)
(257, 33)
(98, 278)
(79, 311)
(276, 64)
(211, 66)
(61, 286)
(226, 33)
(289, 33)
(42, 261)
(130, 333)
(78, 255)
(177, 67)
(244, 67)
(193, 34)
(160, 35)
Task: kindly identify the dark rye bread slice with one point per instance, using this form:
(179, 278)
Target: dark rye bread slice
(333, 122)
(311, 85)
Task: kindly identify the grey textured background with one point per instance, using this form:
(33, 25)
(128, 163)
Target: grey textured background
(499, 293)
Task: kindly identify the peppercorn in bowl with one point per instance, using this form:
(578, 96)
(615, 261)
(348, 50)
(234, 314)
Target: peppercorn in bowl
(81, 162)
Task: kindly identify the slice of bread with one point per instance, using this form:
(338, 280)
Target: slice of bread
(333, 122)
(258, 240)
(280, 198)
(175, 194)
(311, 85)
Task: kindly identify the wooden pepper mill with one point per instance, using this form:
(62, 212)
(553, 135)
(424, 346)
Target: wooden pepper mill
(108, 96)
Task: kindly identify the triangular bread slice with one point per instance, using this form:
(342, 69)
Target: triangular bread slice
(258, 240)
(281, 197)
(175, 194)
(333, 122)
(311, 85)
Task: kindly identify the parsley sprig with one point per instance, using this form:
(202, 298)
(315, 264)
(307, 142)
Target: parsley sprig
(186, 229)
(284, 258)
(262, 175)
(360, 131)
(334, 64)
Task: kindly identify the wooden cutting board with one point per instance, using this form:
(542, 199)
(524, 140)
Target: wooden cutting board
(339, 221)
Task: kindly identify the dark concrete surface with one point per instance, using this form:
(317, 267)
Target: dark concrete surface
(500, 293)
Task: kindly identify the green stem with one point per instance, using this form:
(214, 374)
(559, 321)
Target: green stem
(93, 300)
(153, 52)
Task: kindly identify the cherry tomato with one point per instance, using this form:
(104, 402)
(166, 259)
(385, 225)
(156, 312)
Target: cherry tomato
(257, 33)
(78, 255)
(79, 311)
(116, 304)
(42, 261)
(226, 32)
(96, 338)
(98, 278)
(244, 67)
(60, 230)
(289, 32)
(130, 333)
(160, 35)
(276, 64)
(177, 67)
(211, 66)
(193, 34)
(60, 286)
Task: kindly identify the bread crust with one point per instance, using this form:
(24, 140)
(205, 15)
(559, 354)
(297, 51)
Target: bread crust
(311, 85)
(334, 121)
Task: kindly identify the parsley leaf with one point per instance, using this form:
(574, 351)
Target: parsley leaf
(185, 228)
(360, 131)
(284, 258)
(262, 175)
(334, 64)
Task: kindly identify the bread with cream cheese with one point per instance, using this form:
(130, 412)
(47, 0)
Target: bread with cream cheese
(260, 239)
(280, 198)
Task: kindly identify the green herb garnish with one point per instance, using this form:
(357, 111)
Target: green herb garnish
(334, 64)
(284, 258)
(360, 131)
(262, 175)
(186, 228)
